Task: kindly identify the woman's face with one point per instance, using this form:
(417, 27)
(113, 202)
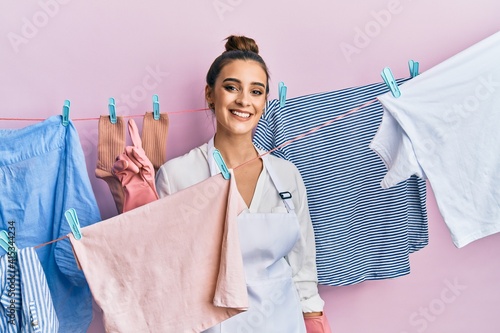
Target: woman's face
(239, 97)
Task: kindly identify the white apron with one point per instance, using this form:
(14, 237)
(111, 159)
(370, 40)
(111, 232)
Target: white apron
(265, 238)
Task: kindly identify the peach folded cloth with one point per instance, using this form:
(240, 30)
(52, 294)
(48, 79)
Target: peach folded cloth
(173, 265)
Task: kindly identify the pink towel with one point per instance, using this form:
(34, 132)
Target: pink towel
(173, 265)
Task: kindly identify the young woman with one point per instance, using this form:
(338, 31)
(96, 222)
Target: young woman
(276, 233)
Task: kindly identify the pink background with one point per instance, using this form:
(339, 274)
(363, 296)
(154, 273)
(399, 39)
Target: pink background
(88, 51)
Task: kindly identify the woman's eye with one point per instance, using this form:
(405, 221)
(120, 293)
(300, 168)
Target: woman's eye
(230, 88)
(257, 92)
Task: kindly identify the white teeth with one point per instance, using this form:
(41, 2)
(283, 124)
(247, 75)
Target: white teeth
(241, 114)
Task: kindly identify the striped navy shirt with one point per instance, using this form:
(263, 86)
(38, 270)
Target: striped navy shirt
(26, 303)
(363, 232)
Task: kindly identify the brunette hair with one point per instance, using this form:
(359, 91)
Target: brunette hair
(237, 48)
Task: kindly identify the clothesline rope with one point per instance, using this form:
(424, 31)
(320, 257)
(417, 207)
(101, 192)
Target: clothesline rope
(97, 118)
(50, 242)
(312, 130)
(298, 137)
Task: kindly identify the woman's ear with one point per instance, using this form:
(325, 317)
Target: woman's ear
(208, 95)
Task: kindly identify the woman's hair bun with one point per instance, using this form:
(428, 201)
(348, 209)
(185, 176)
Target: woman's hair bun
(241, 43)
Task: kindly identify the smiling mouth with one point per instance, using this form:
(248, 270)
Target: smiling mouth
(241, 114)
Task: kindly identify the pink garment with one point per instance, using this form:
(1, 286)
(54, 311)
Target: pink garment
(136, 173)
(173, 265)
(317, 324)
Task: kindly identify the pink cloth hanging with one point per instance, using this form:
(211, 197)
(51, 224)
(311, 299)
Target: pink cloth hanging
(173, 265)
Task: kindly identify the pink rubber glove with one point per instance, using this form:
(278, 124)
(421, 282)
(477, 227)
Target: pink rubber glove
(317, 324)
(136, 173)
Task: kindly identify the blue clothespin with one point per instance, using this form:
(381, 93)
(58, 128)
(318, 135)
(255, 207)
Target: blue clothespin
(413, 66)
(282, 94)
(112, 110)
(73, 222)
(390, 81)
(221, 164)
(7, 243)
(65, 113)
(4, 245)
(156, 108)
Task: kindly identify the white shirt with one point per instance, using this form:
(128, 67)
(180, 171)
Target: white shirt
(193, 167)
(445, 127)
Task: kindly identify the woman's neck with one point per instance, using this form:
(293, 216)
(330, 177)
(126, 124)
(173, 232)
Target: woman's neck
(235, 149)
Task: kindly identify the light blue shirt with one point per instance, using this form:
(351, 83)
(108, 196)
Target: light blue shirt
(42, 174)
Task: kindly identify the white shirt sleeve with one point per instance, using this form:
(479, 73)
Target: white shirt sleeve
(182, 172)
(302, 258)
(392, 145)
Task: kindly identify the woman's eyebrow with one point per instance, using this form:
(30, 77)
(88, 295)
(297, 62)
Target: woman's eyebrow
(231, 79)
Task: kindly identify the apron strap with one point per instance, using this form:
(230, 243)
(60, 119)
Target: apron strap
(285, 195)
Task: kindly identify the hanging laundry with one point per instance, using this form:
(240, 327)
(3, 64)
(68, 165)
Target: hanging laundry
(26, 302)
(445, 127)
(154, 138)
(135, 172)
(42, 174)
(10, 299)
(111, 143)
(173, 265)
(362, 231)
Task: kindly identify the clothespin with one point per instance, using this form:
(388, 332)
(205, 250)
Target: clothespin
(282, 94)
(156, 108)
(413, 66)
(112, 110)
(4, 245)
(390, 81)
(221, 164)
(7, 243)
(65, 113)
(73, 222)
